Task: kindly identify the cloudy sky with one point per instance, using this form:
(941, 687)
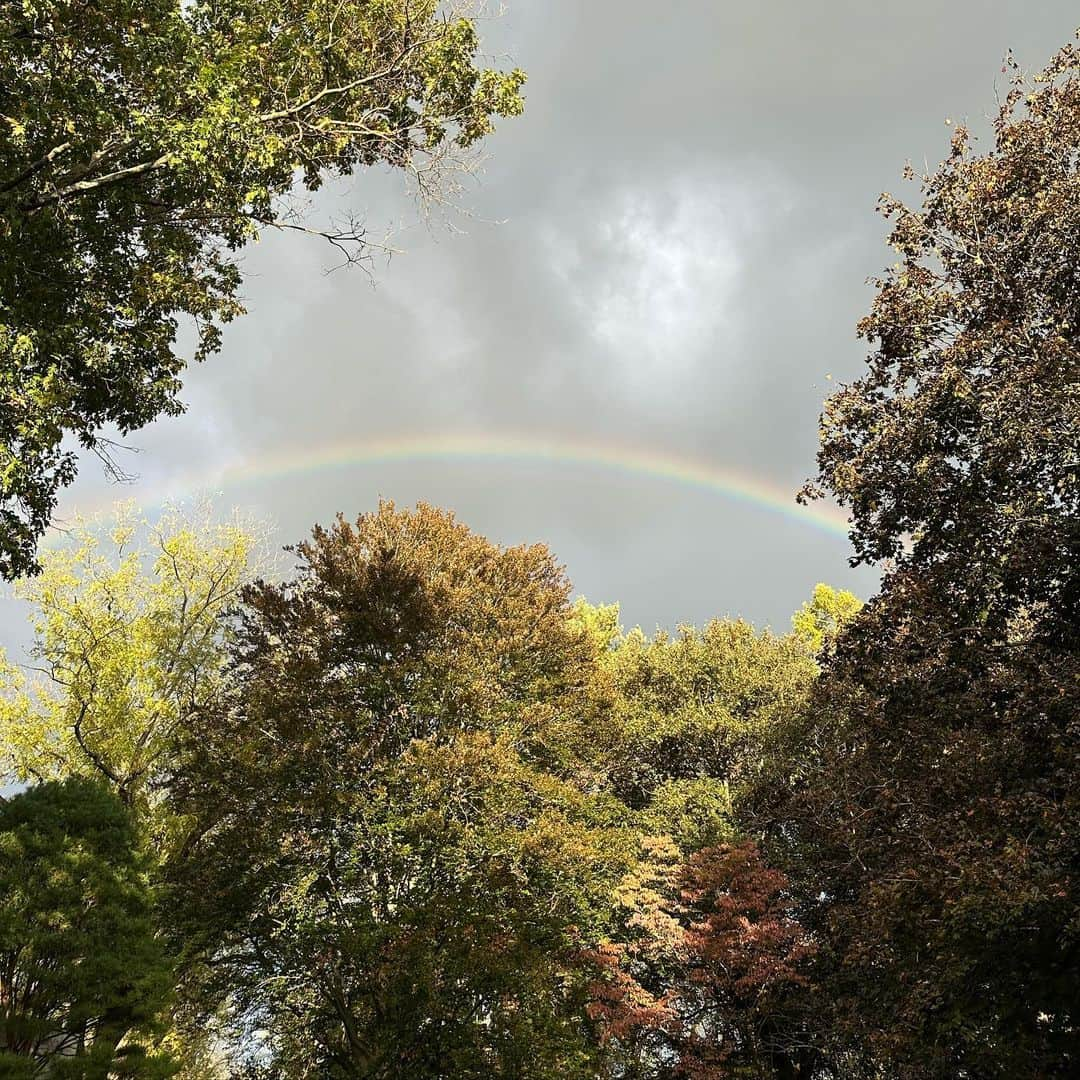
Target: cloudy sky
(664, 257)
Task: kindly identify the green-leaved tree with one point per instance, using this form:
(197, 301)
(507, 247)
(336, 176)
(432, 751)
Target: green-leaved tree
(142, 144)
(83, 978)
(395, 869)
(129, 646)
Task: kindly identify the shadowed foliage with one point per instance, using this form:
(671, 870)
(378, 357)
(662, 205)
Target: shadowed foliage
(83, 978)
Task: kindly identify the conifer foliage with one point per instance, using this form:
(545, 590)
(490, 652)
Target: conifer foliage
(84, 980)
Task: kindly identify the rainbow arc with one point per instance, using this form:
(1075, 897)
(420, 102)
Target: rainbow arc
(698, 474)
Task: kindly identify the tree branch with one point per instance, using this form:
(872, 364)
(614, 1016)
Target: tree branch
(95, 758)
(83, 186)
(336, 91)
(37, 166)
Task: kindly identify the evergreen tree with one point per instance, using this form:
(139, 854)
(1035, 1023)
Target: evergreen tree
(83, 977)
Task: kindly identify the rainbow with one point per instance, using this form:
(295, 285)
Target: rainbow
(636, 462)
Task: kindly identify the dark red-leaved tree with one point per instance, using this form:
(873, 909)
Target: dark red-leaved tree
(711, 981)
(934, 835)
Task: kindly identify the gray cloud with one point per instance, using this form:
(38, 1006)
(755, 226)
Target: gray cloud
(669, 250)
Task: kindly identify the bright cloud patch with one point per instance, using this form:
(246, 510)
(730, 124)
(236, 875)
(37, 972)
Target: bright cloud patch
(656, 276)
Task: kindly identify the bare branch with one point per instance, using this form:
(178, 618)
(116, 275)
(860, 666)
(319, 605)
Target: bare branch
(95, 758)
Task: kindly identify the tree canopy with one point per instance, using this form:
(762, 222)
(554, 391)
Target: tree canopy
(936, 833)
(142, 144)
(130, 627)
(390, 869)
(405, 806)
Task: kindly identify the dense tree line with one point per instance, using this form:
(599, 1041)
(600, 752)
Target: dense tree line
(416, 812)
(411, 810)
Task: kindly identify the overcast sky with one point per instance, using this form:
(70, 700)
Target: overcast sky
(668, 251)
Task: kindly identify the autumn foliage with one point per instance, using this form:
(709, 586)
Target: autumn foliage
(719, 943)
(411, 810)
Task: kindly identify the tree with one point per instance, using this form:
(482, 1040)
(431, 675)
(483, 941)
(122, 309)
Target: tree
(83, 979)
(746, 960)
(393, 868)
(708, 970)
(129, 619)
(142, 145)
(934, 834)
(689, 712)
(957, 449)
(822, 619)
(707, 981)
